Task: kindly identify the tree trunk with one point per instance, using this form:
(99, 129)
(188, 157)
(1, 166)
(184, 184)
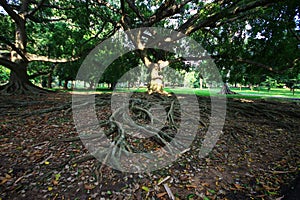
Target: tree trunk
(66, 85)
(92, 84)
(113, 85)
(59, 83)
(226, 90)
(19, 80)
(19, 83)
(49, 81)
(156, 80)
(201, 83)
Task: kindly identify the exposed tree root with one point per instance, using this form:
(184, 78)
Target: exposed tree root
(19, 87)
(83, 159)
(138, 121)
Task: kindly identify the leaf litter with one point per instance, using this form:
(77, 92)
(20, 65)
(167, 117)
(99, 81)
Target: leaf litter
(256, 157)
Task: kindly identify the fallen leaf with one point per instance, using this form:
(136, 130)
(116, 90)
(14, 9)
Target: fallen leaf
(5, 179)
(145, 188)
(55, 182)
(161, 194)
(269, 188)
(237, 187)
(191, 186)
(205, 184)
(89, 186)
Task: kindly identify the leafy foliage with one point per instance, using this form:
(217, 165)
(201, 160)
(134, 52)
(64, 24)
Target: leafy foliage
(247, 39)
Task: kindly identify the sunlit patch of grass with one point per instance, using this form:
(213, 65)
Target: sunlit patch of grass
(243, 93)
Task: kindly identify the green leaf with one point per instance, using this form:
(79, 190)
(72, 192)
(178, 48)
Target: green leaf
(57, 176)
(190, 196)
(212, 191)
(145, 188)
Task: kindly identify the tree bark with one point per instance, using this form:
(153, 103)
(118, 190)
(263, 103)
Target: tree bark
(66, 85)
(156, 80)
(201, 83)
(226, 90)
(92, 85)
(113, 85)
(19, 83)
(49, 81)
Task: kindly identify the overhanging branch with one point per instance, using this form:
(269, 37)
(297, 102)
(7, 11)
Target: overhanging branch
(38, 7)
(164, 12)
(13, 47)
(254, 63)
(10, 11)
(38, 74)
(34, 57)
(195, 22)
(135, 10)
(8, 64)
(43, 20)
(109, 6)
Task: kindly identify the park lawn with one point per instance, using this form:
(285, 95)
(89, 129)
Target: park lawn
(245, 93)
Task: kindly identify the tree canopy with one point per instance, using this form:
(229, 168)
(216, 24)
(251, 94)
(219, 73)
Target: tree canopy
(248, 39)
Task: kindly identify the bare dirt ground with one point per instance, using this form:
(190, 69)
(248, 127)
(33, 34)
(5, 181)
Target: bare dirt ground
(256, 157)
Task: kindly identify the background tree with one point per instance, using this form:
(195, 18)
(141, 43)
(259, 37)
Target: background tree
(257, 42)
(45, 31)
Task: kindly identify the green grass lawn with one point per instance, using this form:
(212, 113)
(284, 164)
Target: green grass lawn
(262, 93)
(245, 93)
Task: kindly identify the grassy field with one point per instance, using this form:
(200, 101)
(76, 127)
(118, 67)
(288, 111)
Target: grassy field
(264, 93)
(246, 93)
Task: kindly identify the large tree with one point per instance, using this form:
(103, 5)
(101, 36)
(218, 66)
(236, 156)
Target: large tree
(219, 20)
(219, 26)
(45, 31)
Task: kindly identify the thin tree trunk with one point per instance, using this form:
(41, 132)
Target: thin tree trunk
(201, 83)
(66, 85)
(113, 85)
(226, 90)
(49, 82)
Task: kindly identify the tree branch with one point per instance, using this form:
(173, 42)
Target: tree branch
(39, 6)
(164, 12)
(38, 74)
(109, 6)
(58, 7)
(10, 11)
(254, 63)
(43, 20)
(135, 10)
(34, 57)
(230, 12)
(295, 34)
(13, 47)
(8, 64)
